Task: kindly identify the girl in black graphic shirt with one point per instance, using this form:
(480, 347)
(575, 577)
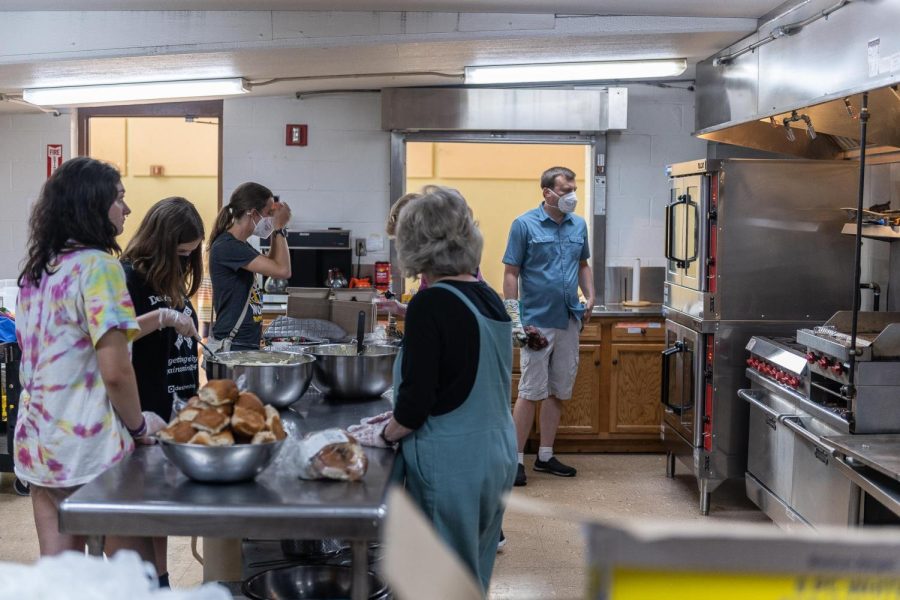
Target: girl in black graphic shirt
(163, 268)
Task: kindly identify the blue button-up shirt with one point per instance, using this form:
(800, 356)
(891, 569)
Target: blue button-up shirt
(548, 256)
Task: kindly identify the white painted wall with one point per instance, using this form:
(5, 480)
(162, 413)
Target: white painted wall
(660, 121)
(23, 170)
(341, 179)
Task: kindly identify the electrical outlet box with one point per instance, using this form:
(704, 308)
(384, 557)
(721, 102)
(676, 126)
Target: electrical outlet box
(361, 246)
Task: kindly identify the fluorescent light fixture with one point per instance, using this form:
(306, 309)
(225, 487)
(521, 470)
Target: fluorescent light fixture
(575, 71)
(129, 92)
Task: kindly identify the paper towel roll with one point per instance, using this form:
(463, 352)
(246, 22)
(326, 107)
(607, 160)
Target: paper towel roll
(636, 281)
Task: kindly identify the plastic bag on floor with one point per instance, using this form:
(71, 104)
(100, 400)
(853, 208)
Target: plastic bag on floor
(74, 576)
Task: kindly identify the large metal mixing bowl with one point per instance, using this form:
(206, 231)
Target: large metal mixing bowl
(221, 464)
(301, 582)
(278, 378)
(339, 372)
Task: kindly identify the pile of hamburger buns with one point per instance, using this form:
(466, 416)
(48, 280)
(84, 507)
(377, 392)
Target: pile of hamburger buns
(221, 415)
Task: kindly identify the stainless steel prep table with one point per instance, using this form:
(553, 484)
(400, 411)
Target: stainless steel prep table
(872, 462)
(146, 495)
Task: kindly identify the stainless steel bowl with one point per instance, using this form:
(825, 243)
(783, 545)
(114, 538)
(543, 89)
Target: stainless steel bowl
(278, 378)
(308, 582)
(339, 372)
(221, 464)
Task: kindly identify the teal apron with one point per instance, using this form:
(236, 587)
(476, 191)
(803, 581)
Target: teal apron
(459, 465)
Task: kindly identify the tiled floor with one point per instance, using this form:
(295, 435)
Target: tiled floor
(543, 557)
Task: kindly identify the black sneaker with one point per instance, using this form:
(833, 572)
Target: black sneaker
(554, 467)
(502, 542)
(521, 479)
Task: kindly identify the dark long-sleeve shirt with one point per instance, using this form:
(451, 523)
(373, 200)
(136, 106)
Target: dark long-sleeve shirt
(440, 350)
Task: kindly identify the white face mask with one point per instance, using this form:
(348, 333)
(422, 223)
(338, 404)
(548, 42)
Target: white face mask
(264, 228)
(567, 202)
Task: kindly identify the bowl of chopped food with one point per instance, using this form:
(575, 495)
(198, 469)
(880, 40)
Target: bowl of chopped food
(278, 378)
(223, 435)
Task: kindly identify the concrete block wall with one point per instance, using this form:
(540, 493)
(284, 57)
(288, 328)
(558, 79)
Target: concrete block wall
(341, 179)
(23, 170)
(660, 122)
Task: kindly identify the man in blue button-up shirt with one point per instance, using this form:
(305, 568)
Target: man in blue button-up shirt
(546, 261)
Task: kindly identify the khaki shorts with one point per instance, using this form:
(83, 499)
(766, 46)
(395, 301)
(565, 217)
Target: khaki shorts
(551, 371)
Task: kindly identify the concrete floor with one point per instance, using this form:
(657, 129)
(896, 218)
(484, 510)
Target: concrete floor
(544, 557)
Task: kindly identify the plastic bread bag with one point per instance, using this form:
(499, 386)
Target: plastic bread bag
(74, 576)
(331, 454)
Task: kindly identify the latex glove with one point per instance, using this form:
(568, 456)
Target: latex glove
(518, 332)
(383, 417)
(390, 306)
(369, 434)
(155, 424)
(182, 323)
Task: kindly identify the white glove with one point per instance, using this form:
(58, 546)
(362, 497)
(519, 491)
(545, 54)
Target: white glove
(182, 323)
(369, 434)
(154, 424)
(518, 332)
(383, 417)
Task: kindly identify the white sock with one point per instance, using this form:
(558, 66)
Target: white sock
(521, 458)
(545, 453)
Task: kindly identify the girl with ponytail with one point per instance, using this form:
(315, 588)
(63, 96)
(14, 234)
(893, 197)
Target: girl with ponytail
(234, 264)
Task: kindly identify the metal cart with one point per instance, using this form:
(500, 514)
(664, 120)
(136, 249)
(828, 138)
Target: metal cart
(10, 355)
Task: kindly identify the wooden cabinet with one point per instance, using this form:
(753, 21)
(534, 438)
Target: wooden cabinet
(615, 401)
(634, 388)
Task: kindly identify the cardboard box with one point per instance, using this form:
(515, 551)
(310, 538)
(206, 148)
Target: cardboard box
(343, 313)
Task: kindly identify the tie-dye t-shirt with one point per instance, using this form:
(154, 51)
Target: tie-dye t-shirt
(67, 432)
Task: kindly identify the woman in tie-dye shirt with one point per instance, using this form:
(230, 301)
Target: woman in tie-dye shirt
(79, 412)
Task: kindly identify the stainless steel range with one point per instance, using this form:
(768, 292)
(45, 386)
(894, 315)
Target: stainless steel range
(800, 395)
(753, 247)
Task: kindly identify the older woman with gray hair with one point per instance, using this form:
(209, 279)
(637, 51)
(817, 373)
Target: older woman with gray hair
(452, 382)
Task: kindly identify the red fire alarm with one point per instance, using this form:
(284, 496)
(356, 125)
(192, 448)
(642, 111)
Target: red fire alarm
(295, 135)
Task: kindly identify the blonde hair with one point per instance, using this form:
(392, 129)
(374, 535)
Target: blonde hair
(394, 215)
(437, 236)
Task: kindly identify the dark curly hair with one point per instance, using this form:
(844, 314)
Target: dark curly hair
(71, 212)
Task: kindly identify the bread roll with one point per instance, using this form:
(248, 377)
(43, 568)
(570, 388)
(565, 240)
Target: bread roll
(222, 439)
(332, 454)
(210, 420)
(273, 423)
(202, 438)
(219, 391)
(246, 422)
(178, 431)
(188, 414)
(263, 437)
(251, 401)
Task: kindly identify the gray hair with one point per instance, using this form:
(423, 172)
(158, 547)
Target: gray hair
(437, 235)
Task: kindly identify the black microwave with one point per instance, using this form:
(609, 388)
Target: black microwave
(314, 253)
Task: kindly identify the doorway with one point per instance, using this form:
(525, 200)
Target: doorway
(161, 150)
(500, 179)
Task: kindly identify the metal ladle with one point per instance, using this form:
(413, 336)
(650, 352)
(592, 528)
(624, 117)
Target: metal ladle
(360, 332)
(212, 353)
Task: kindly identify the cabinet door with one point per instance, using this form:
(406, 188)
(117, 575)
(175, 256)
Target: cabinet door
(635, 380)
(581, 414)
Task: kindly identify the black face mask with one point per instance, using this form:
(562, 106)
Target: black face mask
(185, 262)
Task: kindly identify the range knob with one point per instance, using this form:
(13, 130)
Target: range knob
(793, 382)
(837, 368)
(751, 362)
(811, 357)
(824, 362)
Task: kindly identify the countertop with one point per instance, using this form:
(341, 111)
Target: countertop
(618, 310)
(147, 495)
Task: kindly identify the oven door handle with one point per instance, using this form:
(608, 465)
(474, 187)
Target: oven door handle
(793, 423)
(670, 225)
(688, 260)
(665, 354)
(752, 396)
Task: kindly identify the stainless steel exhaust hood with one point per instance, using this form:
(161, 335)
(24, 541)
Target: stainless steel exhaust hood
(800, 94)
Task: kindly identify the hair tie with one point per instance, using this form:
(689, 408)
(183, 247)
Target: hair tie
(230, 210)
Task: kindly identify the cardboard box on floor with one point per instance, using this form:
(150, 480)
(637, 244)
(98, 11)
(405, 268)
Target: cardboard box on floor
(344, 313)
